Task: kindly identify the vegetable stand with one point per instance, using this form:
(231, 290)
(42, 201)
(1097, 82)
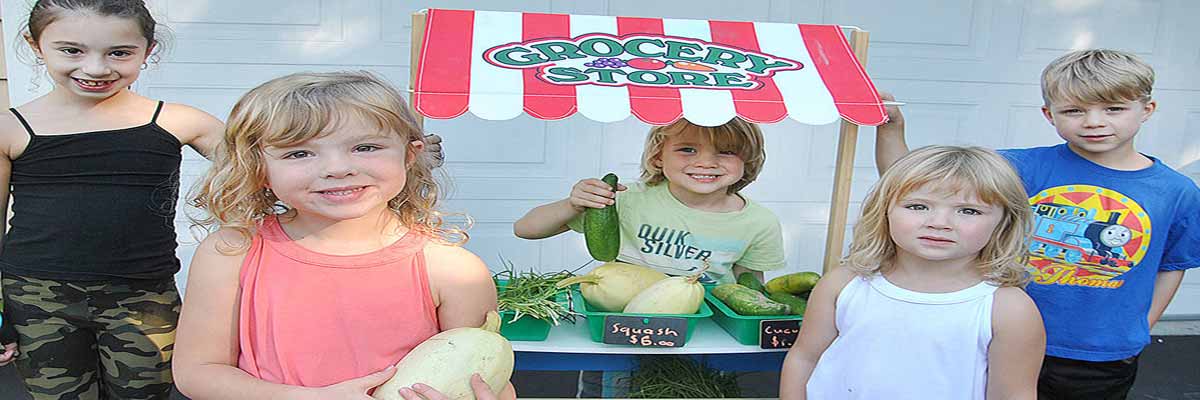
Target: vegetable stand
(498, 65)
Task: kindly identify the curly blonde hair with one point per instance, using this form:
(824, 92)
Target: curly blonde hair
(295, 108)
(952, 169)
(741, 137)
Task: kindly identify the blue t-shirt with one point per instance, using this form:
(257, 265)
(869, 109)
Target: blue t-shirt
(1101, 236)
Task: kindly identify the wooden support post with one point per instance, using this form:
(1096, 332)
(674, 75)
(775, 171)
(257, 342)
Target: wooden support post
(417, 42)
(843, 171)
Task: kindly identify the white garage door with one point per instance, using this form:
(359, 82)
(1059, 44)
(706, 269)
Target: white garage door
(967, 69)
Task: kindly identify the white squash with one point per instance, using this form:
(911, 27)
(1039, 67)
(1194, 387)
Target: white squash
(447, 360)
(675, 295)
(609, 287)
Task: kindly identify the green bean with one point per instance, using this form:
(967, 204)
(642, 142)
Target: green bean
(681, 378)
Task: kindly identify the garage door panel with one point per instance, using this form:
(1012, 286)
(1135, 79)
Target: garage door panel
(1050, 28)
(690, 9)
(259, 20)
(957, 30)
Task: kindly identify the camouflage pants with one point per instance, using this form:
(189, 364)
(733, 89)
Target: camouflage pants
(93, 340)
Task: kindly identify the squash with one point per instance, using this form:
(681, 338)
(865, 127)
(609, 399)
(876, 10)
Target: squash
(609, 287)
(447, 360)
(675, 295)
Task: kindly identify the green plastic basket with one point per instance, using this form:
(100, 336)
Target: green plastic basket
(595, 317)
(526, 329)
(743, 328)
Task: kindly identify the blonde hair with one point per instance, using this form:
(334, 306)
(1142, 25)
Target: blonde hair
(1097, 76)
(952, 169)
(298, 107)
(741, 137)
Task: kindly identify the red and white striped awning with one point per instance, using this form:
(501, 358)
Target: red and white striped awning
(500, 64)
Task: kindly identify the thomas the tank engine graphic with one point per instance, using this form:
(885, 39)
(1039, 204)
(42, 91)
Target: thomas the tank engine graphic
(1072, 234)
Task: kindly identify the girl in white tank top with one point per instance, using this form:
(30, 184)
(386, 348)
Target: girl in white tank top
(928, 304)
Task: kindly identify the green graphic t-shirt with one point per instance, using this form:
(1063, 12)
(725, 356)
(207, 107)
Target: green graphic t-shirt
(660, 232)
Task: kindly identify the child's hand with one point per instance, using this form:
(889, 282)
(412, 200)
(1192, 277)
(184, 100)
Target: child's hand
(433, 148)
(481, 389)
(356, 388)
(592, 193)
(10, 354)
(895, 117)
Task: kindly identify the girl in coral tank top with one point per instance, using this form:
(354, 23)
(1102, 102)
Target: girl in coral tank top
(331, 262)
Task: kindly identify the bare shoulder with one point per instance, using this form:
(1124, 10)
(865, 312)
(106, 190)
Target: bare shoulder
(836, 279)
(446, 259)
(13, 136)
(1012, 307)
(830, 286)
(222, 250)
(188, 123)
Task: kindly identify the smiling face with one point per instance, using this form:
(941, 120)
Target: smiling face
(1115, 236)
(695, 168)
(932, 225)
(1096, 131)
(348, 174)
(90, 55)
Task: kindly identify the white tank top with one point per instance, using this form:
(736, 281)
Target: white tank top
(894, 343)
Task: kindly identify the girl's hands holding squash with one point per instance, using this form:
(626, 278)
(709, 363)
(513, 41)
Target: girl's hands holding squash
(425, 392)
(356, 388)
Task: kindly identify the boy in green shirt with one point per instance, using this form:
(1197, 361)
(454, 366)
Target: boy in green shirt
(686, 210)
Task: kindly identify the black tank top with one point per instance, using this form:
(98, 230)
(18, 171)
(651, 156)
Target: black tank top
(95, 205)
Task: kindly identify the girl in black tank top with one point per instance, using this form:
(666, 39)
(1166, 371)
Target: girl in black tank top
(89, 262)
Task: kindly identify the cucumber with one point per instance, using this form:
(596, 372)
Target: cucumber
(746, 301)
(748, 279)
(796, 304)
(795, 284)
(602, 229)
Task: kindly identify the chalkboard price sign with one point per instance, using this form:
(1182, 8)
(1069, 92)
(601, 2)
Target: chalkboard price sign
(645, 331)
(778, 334)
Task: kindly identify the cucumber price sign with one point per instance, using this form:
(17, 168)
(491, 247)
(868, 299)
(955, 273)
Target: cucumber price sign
(645, 331)
(778, 334)
(640, 60)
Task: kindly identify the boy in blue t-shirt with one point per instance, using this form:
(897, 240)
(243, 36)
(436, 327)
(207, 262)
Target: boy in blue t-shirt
(1114, 231)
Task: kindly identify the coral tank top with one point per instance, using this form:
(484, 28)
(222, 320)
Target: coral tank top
(313, 319)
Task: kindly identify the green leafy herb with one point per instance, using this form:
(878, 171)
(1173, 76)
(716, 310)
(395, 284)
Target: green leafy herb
(678, 377)
(533, 294)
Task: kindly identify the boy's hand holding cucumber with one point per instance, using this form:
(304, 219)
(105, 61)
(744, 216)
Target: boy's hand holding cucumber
(593, 193)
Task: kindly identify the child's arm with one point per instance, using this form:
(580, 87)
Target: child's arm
(199, 130)
(1018, 344)
(206, 345)
(462, 289)
(1165, 285)
(8, 129)
(889, 137)
(816, 334)
(551, 219)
